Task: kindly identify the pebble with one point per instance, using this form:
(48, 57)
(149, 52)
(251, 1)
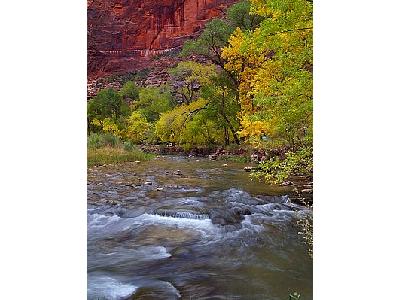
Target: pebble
(285, 183)
(248, 169)
(137, 161)
(225, 165)
(160, 189)
(148, 183)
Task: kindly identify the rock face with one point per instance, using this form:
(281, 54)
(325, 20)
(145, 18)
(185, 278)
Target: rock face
(124, 34)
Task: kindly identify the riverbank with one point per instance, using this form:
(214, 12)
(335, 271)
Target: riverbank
(299, 188)
(112, 155)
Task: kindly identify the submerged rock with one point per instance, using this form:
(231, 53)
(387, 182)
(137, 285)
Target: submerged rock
(212, 157)
(226, 217)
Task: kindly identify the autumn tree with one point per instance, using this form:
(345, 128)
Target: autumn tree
(273, 64)
(223, 106)
(188, 77)
(129, 91)
(107, 104)
(152, 101)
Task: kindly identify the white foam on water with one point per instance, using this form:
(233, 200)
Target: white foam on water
(152, 252)
(100, 221)
(104, 287)
(184, 215)
(212, 232)
(204, 226)
(174, 289)
(247, 228)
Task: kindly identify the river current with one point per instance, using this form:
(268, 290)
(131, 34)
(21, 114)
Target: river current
(189, 228)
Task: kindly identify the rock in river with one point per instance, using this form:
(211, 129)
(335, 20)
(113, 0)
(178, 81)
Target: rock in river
(248, 169)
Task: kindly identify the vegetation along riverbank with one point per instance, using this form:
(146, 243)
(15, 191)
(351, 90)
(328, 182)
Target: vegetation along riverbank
(239, 94)
(246, 81)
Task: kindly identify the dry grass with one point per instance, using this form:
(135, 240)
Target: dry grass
(109, 155)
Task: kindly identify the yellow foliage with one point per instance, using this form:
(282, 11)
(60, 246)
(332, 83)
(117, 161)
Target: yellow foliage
(109, 126)
(272, 65)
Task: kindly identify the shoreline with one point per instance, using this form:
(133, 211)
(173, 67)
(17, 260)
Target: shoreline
(300, 188)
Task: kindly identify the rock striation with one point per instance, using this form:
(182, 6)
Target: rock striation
(123, 35)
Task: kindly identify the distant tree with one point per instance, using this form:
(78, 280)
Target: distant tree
(188, 77)
(106, 104)
(215, 36)
(217, 32)
(129, 91)
(137, 129)
(153, 101)
(239, 15)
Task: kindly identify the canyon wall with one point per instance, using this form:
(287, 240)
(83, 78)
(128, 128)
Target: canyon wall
(123, 35)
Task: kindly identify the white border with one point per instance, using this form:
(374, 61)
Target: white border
(43, 150)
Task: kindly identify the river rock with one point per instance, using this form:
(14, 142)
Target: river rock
(178, 172)
(254, 157)
(148, 183)
(286, 183)
(226, 217)
(248, 169)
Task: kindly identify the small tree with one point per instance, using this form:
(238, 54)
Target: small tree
(106, 104)
(153, 101)
(188, 77)
(138, 128)
(129, 91)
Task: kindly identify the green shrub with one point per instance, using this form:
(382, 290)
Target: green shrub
(129, 146)
(277, 170)
(100, 140)
(94, 141)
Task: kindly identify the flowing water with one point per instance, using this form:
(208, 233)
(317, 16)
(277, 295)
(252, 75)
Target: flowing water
(188, 228)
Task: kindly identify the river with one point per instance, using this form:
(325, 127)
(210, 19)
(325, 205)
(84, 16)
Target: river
(190, 228)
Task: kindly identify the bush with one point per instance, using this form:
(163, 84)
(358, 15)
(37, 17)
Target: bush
(94, 141)
(129, 146)
(100, 140)
(277, 170)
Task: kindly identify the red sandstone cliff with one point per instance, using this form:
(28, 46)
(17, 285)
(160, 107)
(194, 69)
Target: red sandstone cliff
(124, 34)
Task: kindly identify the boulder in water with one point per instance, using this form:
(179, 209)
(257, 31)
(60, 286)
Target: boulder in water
(226, 217)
